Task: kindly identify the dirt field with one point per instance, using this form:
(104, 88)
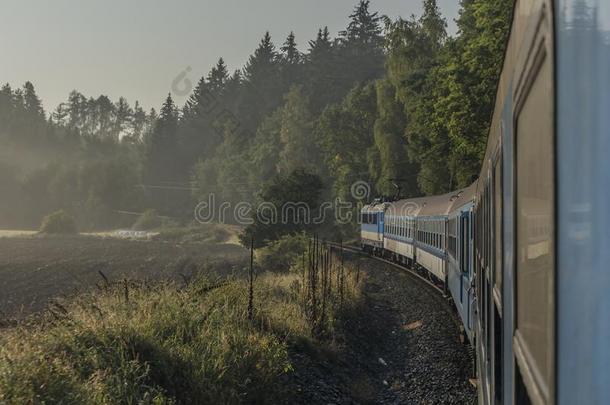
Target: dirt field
(34, 269)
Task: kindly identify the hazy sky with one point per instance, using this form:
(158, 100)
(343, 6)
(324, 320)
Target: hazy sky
(136, 48)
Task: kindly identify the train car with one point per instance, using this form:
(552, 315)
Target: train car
(430, 241)
(372, 218)
(459, 247)
(400, 233)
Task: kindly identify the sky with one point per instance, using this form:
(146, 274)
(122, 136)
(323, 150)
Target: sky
(142, 49)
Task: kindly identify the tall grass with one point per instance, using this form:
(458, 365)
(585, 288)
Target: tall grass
(161, 344)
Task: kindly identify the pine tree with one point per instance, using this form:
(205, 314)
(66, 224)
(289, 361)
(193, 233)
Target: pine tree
(217, 78)
(291, 60)
(32, 104)
(290, 53)
(364, 28)
(360, 48)
(320, 48)
(263, 62)
(162, 146)
(322, 71)
(263, 86)
(198, 104)
(167, 122)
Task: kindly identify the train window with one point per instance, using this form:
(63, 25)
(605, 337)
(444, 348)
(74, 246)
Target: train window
(535, 234)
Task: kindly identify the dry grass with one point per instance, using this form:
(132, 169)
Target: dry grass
(161, 344)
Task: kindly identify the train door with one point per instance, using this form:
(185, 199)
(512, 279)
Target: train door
(380, 227)
(465, 259)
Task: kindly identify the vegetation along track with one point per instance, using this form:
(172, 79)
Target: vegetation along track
(401, 345)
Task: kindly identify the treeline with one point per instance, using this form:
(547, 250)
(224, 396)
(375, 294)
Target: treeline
(385, 102)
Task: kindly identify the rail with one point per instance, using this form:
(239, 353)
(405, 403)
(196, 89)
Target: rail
(407, 270)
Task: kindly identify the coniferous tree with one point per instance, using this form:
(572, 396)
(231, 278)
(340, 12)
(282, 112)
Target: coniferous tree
(262, 84)
(217, 78)
(161, 146)
(291, 59)
(361, 45)
(322, 71)
(364, 27)
(32, 104)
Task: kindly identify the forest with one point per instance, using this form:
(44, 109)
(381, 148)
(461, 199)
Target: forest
(387, 102)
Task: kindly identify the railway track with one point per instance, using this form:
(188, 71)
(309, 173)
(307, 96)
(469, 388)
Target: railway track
(400, 345)
(407, 270)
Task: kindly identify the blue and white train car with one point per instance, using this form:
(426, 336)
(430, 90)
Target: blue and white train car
(399, 235)
(372, 218)
(459, 248)
(431, 233)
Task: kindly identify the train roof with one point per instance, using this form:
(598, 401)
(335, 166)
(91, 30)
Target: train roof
(407, 207)
(463, 197)
(433, 205)
(375, 206)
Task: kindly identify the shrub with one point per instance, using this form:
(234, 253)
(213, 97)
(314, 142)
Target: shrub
(282, 254)
(209, 233)
(58, 222)
(147, 221)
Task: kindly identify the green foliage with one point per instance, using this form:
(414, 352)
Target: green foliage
(58, 222)
(291, 203)
(386, 102)
(448, 88)
(147, 221)
(345, 134)
(282, 254)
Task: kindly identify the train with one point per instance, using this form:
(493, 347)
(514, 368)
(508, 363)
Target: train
(524, 251)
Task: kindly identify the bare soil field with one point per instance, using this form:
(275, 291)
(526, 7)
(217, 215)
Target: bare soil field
(34, 269)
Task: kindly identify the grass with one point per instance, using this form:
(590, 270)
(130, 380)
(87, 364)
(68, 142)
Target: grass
(162, 343)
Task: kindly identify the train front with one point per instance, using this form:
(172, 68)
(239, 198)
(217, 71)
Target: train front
(371, 226)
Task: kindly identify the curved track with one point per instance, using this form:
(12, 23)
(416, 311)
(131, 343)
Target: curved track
(401, 345)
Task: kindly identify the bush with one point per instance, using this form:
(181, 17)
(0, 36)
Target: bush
(147, 221)
(58, 222)
(282, 254)
(194, 234)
